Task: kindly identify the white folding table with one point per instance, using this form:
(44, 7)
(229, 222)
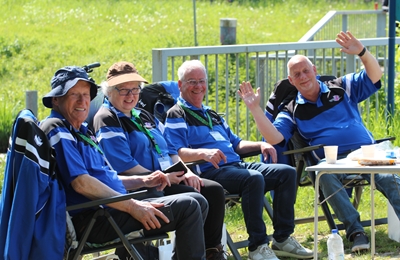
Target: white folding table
(350, 167)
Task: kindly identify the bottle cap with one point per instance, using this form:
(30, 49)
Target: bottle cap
(391, 155)
(334, 231)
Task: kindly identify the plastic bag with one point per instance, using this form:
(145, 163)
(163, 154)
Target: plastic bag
(381, 151)
(166, 247)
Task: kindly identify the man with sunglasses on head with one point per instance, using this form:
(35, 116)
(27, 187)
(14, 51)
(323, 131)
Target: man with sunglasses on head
(195, 132)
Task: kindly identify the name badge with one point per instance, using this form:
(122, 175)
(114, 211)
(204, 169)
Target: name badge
(217, 136)
(164, 162)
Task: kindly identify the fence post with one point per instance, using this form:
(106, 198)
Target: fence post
(227, 31)
(31, 98)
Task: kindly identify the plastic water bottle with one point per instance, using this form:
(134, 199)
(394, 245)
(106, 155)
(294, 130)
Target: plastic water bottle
(335, 246)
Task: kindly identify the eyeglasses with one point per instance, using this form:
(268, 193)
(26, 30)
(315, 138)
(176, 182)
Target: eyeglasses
(194, 83)
(126, 91)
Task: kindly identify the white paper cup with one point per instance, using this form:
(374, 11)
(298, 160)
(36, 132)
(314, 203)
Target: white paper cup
(331, 153)
(368, 151)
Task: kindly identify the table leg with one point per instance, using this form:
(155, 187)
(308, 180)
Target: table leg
(372, 216)
(316, 214)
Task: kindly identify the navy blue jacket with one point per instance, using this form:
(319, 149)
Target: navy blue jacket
(32, 206)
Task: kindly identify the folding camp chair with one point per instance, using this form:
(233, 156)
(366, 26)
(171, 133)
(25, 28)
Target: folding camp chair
(234, 199)
(298, 154)
(157, 98)
(31, 191)
(76, 248)
(32, 206)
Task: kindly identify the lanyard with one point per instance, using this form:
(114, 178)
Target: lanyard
(145, 131)
(90, 141)
(201, 119)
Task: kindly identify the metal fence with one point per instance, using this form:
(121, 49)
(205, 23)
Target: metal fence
(364, 24)
(263, 65)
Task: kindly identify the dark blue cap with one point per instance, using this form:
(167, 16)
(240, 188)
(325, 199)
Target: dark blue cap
(64, 79)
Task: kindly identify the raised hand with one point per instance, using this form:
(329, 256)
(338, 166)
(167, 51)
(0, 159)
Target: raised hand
(250, 98)
(350, 44)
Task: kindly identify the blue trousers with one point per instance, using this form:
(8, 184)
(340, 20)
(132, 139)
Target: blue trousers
(252, 181)
(387, 184)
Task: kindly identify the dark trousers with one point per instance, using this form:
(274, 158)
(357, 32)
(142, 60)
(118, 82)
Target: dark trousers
(214, 194)
(189, 210)
(252, 181)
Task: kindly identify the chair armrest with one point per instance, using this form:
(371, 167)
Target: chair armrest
(250, 154)
(242, 156)
(193, 163)
(390, 138)
(98, 202)
(304, 150)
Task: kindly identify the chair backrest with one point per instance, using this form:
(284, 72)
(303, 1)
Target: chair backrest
(95, 105)
(158, 97)
(284, 92)
(31, 191)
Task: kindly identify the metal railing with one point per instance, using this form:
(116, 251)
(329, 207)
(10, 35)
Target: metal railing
(265, 64)
(364, 24)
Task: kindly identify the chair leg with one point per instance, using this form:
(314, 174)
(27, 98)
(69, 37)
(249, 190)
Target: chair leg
(129, 247)
(327, 212)
(268, 208)
(232, 247)
(357, 196)
(85, 235)
(324, 206)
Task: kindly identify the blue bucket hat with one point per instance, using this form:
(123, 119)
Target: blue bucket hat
(64, 79)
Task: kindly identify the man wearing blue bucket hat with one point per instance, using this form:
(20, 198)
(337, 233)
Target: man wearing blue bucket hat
(66, 78)
(86, 174)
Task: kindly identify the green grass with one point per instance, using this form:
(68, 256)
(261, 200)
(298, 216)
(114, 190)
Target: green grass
(38, 37)
(385, 247)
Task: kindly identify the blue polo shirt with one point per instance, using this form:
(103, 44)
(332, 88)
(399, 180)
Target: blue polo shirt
(124, 144)
(75, 157)
(183, 130)
(334, 118)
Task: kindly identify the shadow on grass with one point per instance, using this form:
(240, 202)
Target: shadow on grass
(385, 247)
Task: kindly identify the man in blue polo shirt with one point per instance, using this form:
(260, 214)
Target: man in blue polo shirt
(327, 113)
(86, 175)
(195, 132)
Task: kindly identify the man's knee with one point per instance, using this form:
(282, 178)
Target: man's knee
(329, 180)
(329, 177)
(194, 200)
(255, 177)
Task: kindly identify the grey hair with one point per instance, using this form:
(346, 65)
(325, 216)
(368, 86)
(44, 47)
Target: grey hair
(188, 66)
(107, 89)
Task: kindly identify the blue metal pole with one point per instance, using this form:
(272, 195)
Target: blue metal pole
(194, 23)
(391, 65)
